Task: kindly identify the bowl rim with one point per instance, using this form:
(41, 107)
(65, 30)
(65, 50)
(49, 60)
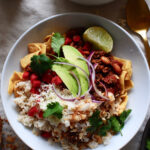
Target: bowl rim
(73, 14)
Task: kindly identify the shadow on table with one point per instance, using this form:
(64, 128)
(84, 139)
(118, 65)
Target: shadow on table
(104, 10)
(10, 7)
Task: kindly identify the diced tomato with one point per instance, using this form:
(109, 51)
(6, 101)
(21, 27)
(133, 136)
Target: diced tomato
(37, 100)
(34, 90)
(41, 114)
(87, 46)
(54, 73)
(47, 77)
(56, 80)
(45, 134)
(84, 52)
(76, 38)
(33, 77)
(26, 75)
(112, 90)
(36, 83)
(33, 110)
(68, 40)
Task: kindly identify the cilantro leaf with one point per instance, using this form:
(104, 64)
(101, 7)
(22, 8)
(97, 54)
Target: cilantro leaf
(57, 41)
(40, 64)
(118, 122)
(115, 123)
(54, 109)
(116, 126)
(148, 144)
(91, 129)
(124, 116)
(95, 122)
(104, 129)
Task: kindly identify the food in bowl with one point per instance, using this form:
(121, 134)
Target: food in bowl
(72, 90)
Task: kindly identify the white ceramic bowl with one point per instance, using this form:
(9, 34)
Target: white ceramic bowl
(124, 46)
(92, 2)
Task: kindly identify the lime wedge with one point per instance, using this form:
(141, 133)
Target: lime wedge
(99, 37)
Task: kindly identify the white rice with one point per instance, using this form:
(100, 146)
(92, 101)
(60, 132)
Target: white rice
(73, 111)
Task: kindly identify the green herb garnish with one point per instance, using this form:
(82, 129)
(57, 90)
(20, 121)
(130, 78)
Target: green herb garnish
(115, 123)
(54, 109)
(148, 144)
(40, 64)
(105, 128)
(95, 122)
(124, 116)
(57, 41)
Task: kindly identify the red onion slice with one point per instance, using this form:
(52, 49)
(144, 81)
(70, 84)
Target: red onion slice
(95, 65)
(65, 99)
(93, 79)
(90, 56)
(106, 92)
(89, 59)
(96, 101)
(89, 89)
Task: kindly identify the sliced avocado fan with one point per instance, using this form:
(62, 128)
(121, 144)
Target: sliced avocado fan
(63, 72)
(72, 54)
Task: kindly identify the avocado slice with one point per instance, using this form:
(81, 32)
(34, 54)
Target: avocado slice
(72, 54)
(63, 71)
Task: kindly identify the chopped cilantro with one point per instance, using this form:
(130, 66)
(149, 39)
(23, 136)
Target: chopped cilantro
(95, 122)
(103, 130)
(115, 123)
(148, 144)
(118, 122)
(57, 41)
(54, 109)
(91, 129)
(116, 127)
(124, 116)
(40, 64)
